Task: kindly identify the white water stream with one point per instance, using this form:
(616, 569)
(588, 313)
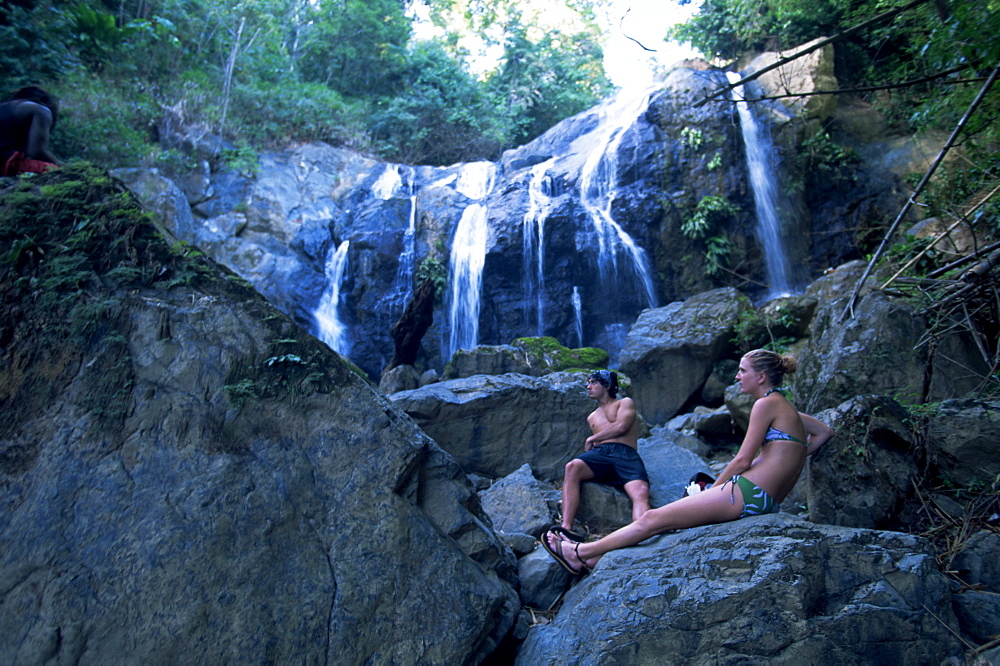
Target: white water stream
(533, 235)
(331, 329)
(468, 256)
(599, 189)
(761, 165)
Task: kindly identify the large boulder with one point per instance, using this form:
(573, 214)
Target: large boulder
(804, 75)
(863, 476)
(964, 439)
(188, 476)
(670, 351)
(494, 424)
(770, 589)
(883, 349)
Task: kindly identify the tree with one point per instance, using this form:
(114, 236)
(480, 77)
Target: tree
(357, 47)
(547, 80)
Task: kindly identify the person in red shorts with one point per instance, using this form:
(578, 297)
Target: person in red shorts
(26, 123)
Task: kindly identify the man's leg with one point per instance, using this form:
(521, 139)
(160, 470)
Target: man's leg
(638, 492)
(577, 471)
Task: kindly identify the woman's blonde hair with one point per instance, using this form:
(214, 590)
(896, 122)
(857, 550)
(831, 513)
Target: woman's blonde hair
(772, 364)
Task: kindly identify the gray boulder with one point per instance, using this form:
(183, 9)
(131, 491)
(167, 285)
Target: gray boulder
(863, 477)
(670, 465)
(964, 438)
(191, 478)
(543, 580)
(978, 561)
(519, 503)
(487, 360)
(978, 614)
(670, 351)
(494, 424)
(400, 378)
(772, 589)
(603, 508)
(879, 350)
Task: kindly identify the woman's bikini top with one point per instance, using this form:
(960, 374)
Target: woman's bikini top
(773, 434)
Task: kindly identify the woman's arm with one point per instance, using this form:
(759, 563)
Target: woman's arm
(761, 416)
(817, 432)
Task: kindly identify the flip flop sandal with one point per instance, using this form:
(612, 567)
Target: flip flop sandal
(561, 559)
(572, 536)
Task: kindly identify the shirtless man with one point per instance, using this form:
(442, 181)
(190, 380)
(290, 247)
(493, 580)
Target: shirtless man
(26, 122)
(610, 453)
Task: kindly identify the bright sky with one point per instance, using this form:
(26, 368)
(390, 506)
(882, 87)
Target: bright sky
(647, 21)
(626, 62)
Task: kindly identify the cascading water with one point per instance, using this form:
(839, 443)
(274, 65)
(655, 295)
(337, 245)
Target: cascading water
(533, 234)
(599, 189)
(388, 183)
(330, 329)
(761, 165)
(578, 315)
(468, 256)
(403, 288)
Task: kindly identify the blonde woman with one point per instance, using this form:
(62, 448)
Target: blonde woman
(765, 469)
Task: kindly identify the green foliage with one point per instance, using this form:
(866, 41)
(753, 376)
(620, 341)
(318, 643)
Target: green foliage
(442, 115)
(105, 124)
(825, 163)
(728, 29)
(34, 45)
(692, 137)
(717, 254)
(710, 213)
(437, 273)
(355, 48)
(755, 330)
(544, 79)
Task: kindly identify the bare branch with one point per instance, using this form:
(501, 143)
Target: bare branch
(884, 16)
(621, 29)
(849, 310)
(888, 86)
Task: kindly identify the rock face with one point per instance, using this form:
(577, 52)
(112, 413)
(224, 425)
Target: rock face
(585, 224)
(965, 436)
(494, 424)
(861, 355)
(189, 476)
(864, 476)
(769, 589)
(671, 350)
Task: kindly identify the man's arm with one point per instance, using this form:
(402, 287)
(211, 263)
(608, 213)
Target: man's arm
(622, 424)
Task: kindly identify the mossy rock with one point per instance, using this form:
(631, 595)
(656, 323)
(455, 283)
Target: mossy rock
(548, 353)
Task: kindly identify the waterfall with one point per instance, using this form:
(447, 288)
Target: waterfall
(533, 234)
(578, 315)
(468, 256)
(599, 189)
(331, 330)
(388, 183)
(404, 274)
(762, 166)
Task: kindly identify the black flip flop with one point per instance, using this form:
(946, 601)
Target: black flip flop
(572, 536)
(558, 556)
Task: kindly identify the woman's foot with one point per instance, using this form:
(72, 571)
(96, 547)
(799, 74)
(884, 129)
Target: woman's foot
(565, 552)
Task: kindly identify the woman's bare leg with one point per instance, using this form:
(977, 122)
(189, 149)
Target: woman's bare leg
(713, 505)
